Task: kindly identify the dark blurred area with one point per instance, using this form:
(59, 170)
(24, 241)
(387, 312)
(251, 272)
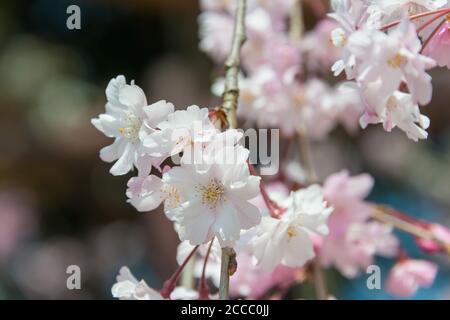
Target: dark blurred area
(59, 206)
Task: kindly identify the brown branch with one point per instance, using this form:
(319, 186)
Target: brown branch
(230, 103)
(231, 93)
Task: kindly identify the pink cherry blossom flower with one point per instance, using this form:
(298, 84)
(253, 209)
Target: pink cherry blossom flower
(355, 248)
(252, 282)
(320, 52)
(352, 15)
(393, 58)
(407, 276)
(439, 46)
(215, 32)
(392, 110)
(353, 240)
(440, 233)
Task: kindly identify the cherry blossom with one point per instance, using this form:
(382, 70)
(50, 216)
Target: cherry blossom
(407, 276)
(393, 58)
(216, 198)
(128, 287)
(353, 239)
(128, 119)
(287, 240)
(253, 282)
(439, 46)
(181, 132)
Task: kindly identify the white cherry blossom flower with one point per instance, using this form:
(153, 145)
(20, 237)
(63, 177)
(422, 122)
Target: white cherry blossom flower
(287, 240)
(216, 198)
(395, 110)
(128, 119)
(394, 57)
(128, 287)
(183, 131)
(352, 15)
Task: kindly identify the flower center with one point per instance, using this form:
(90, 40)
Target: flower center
(447, 17)
(391, 103)
(338, 38)
(212, 193)
(291, 232)
(132, 126)
(396, 61)
(173, 197)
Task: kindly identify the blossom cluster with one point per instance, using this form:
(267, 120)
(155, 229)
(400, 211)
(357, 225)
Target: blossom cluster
(388, 64)
(214, 197)
(207, 194)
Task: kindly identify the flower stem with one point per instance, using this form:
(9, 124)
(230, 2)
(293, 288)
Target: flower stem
(427, 42)
(416, 16)
(426, 24)
(203, 291)
(274, 209)
(231, 93)
(230, 102)
(297, 25)
(407, 224)
(171, 283)
(226, 270)
(320, 285)
(306, 155)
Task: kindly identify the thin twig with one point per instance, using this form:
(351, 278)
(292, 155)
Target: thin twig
(413, 17)
(408, 225)
(231, 93)
(296, 25)
(228, 255)
(170, 284)
(435, 31)
(430, 21)
(305, 150)
(203, 290)
(306, 155)
(230, 102)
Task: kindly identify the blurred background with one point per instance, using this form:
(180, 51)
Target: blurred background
(59, 206)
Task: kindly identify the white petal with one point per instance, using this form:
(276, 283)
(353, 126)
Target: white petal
(132, 96)
(125, 162)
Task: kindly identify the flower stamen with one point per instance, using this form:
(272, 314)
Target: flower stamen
(397, 61)
(212, 193)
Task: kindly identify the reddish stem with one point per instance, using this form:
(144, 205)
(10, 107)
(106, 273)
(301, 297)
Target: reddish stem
(426, 24)
(403, 216)
(170, 284)
(427, 42)
(416, 16)
(274, 209)
(203, 290)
